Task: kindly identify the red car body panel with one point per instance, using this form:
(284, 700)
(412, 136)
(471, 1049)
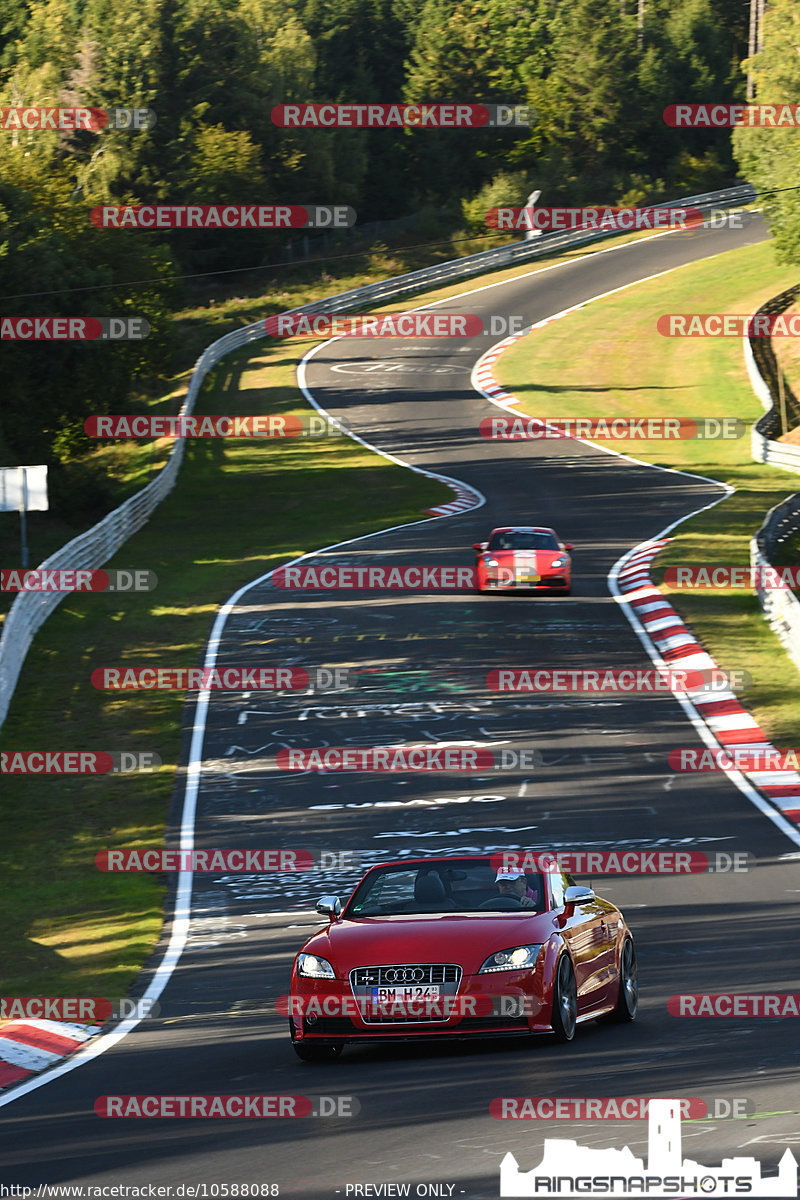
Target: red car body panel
(523, 569)
(592, 934)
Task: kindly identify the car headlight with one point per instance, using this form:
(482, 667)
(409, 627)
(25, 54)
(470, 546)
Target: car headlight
(561, 561)
(491, 562)
(518, 958)
(314, 967)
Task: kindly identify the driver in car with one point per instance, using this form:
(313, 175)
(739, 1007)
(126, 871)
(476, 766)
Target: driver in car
(513, 883)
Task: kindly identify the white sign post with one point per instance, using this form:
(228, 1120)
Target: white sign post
(23, 489)
(530, 203)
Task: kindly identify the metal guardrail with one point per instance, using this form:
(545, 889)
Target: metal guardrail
(763, 369)
(507, 256)
(97, 545)
(779, 605)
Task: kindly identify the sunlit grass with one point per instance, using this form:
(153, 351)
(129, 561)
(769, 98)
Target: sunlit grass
(239, 509)
(625, 368)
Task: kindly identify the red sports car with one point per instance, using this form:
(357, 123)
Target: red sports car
(524, 556)
(453, 947)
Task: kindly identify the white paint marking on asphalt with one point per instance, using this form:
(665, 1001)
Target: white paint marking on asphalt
(181, 914)
(640, 551)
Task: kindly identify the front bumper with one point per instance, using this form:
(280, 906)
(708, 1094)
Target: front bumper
(338, 1032)
(483, 1007)
(545, 584)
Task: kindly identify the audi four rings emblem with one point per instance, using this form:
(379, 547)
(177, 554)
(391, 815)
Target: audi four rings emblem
(403, 974)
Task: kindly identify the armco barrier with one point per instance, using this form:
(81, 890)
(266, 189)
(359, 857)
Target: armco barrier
(762, 367)
(97, 545)
(91, 549)
(779, 605)
(506, 256)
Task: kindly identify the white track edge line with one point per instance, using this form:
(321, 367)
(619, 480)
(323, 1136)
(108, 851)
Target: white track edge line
(181, 911)
(763, 805)
(700, 725)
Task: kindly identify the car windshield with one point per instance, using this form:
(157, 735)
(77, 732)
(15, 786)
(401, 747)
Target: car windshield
(516, 539)
(455, 886)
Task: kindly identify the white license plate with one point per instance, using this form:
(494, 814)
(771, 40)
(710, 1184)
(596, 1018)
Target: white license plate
(404, 994)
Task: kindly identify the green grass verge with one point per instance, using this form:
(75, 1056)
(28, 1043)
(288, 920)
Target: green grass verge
(128, 466)
(625, 368)
(68, 928)
(239, 509)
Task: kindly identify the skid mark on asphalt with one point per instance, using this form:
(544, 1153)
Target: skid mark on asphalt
(300, 891)
(211, 922)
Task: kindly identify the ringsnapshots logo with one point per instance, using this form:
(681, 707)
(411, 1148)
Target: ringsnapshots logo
(241, 1107)
(393, 325)
(73, 329)
(77, 579)
(61, 120)
(224, 679)
(611, 220)
(569, 1170)
(736, 325)
(634, 680)
(731, 116)
(88, 1010)
(78, 762)
(403, 116)
(223, 216)
(516, 428)
(276, 426)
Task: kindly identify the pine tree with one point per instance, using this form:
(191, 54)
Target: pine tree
(770, 158)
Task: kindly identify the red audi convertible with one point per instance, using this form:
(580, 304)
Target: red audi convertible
(526, 557)
(453, 947)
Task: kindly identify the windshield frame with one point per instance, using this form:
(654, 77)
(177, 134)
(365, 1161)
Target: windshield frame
(553, 542)
(367, 884)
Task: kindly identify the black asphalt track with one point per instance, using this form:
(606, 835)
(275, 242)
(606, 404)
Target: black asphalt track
(602, 782)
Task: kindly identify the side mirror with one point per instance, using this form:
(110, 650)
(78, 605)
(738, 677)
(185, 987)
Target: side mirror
(578, 895)
(568, 546)
(329, 906)
(479, 546)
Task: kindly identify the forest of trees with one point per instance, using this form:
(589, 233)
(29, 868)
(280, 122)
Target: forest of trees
(212, 70)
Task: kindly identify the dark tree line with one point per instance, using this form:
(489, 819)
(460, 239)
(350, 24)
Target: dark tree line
(212, 70)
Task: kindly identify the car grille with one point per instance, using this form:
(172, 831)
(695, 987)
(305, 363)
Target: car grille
(363, 979)
(395, 976)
